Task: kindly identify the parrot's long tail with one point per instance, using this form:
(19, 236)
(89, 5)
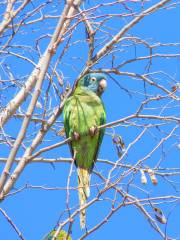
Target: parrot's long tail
(84, 192)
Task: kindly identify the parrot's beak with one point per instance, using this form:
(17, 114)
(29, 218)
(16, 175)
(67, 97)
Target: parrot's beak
(102, 86)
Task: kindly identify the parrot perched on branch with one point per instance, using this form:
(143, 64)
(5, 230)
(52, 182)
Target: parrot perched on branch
(83, 113)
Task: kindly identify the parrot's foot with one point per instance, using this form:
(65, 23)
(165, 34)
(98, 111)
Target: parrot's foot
(93, 131)
(76, 136)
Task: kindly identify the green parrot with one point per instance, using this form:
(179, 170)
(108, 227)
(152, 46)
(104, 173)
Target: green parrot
(61, 236)
(83, 113)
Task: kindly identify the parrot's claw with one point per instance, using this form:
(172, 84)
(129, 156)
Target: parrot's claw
(76, 136)
(93, 131)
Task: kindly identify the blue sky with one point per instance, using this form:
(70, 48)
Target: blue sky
(35, 210)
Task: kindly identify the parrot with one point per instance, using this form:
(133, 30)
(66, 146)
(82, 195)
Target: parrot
(83, 112)
(61, 236)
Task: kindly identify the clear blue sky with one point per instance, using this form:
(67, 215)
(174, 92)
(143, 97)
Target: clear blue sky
(36, 211)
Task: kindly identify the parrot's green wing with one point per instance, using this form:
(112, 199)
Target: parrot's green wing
(101, 133)
(67, 127)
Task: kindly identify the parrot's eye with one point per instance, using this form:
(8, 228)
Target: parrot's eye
(93, 79)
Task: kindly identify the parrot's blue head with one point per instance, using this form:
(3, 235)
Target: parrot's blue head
(95, 82)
